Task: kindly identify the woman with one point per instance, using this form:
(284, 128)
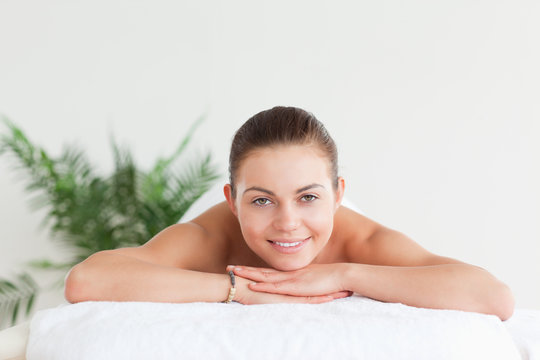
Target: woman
(285, 237)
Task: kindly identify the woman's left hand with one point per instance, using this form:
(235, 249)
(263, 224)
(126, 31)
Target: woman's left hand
(312, 280)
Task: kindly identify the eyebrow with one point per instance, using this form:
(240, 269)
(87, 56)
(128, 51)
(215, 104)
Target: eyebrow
(257, 188)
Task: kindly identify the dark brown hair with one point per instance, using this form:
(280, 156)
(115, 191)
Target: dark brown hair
(281, 126)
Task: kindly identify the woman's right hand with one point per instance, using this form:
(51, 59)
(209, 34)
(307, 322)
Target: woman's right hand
(246, 296)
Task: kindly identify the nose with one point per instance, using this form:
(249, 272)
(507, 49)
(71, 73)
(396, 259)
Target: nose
(286, 218)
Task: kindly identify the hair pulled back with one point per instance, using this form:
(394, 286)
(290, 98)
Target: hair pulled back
(281, 126)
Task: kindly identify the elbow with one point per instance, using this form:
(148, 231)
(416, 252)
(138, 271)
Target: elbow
(503, 302)
(73, 285)
(78, 285)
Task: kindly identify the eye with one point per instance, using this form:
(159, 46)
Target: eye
(261, 201)
(309, 198)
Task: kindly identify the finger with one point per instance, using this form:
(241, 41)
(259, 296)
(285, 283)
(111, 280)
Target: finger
(289, 289)
(279, 287)
(263, 275)
(243, 267)
(318, 299)
(303, 299)
(341, 294)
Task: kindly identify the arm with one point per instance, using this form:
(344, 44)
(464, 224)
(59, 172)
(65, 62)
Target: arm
(405, 272)
(111, 276)
(445, 286)
(161, 271)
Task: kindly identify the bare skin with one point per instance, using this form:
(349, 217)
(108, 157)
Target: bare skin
(284, 196)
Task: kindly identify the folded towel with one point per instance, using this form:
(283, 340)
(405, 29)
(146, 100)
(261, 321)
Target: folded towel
(350, 328)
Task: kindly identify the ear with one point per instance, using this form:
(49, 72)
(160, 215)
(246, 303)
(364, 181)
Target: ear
(227, 190)
(339, 193)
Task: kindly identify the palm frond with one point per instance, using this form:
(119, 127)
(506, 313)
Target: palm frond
(87, 212)
(34, 160)
(46, 264)
(154, 182)
(190, 184)
(16, 296)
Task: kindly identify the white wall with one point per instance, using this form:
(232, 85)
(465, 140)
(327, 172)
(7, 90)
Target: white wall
(434, 106)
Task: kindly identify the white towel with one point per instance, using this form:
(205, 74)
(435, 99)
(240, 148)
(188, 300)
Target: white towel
(351, 328)
(524, 326)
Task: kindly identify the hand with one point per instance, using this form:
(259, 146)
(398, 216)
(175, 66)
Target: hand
(314, 280)
(246, 296)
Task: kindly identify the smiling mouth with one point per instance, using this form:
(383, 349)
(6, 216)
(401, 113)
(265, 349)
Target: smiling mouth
(289, 244)
(286, 244)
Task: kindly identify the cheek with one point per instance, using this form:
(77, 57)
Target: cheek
(253, 224)
(320, 221)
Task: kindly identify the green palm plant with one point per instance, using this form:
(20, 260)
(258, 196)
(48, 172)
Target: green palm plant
(88, 212)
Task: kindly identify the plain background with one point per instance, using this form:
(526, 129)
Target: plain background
(435, 106)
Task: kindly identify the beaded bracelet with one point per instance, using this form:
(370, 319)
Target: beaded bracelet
(232, 291)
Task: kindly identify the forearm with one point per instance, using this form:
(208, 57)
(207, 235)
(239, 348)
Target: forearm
(449, 286)
(113, 277)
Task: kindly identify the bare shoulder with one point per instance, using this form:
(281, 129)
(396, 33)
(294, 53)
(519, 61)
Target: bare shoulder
(218, 222)
(200, 244)
(369, 242)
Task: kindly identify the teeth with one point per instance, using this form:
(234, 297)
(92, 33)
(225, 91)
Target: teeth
(287, 244)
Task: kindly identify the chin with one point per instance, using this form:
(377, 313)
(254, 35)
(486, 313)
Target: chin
(290, 265)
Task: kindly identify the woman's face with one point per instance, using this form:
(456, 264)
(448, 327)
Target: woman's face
(285, 204)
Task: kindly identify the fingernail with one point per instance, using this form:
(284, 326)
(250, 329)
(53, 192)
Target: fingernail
(236, 268)
(230, 267)
(253, 283)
